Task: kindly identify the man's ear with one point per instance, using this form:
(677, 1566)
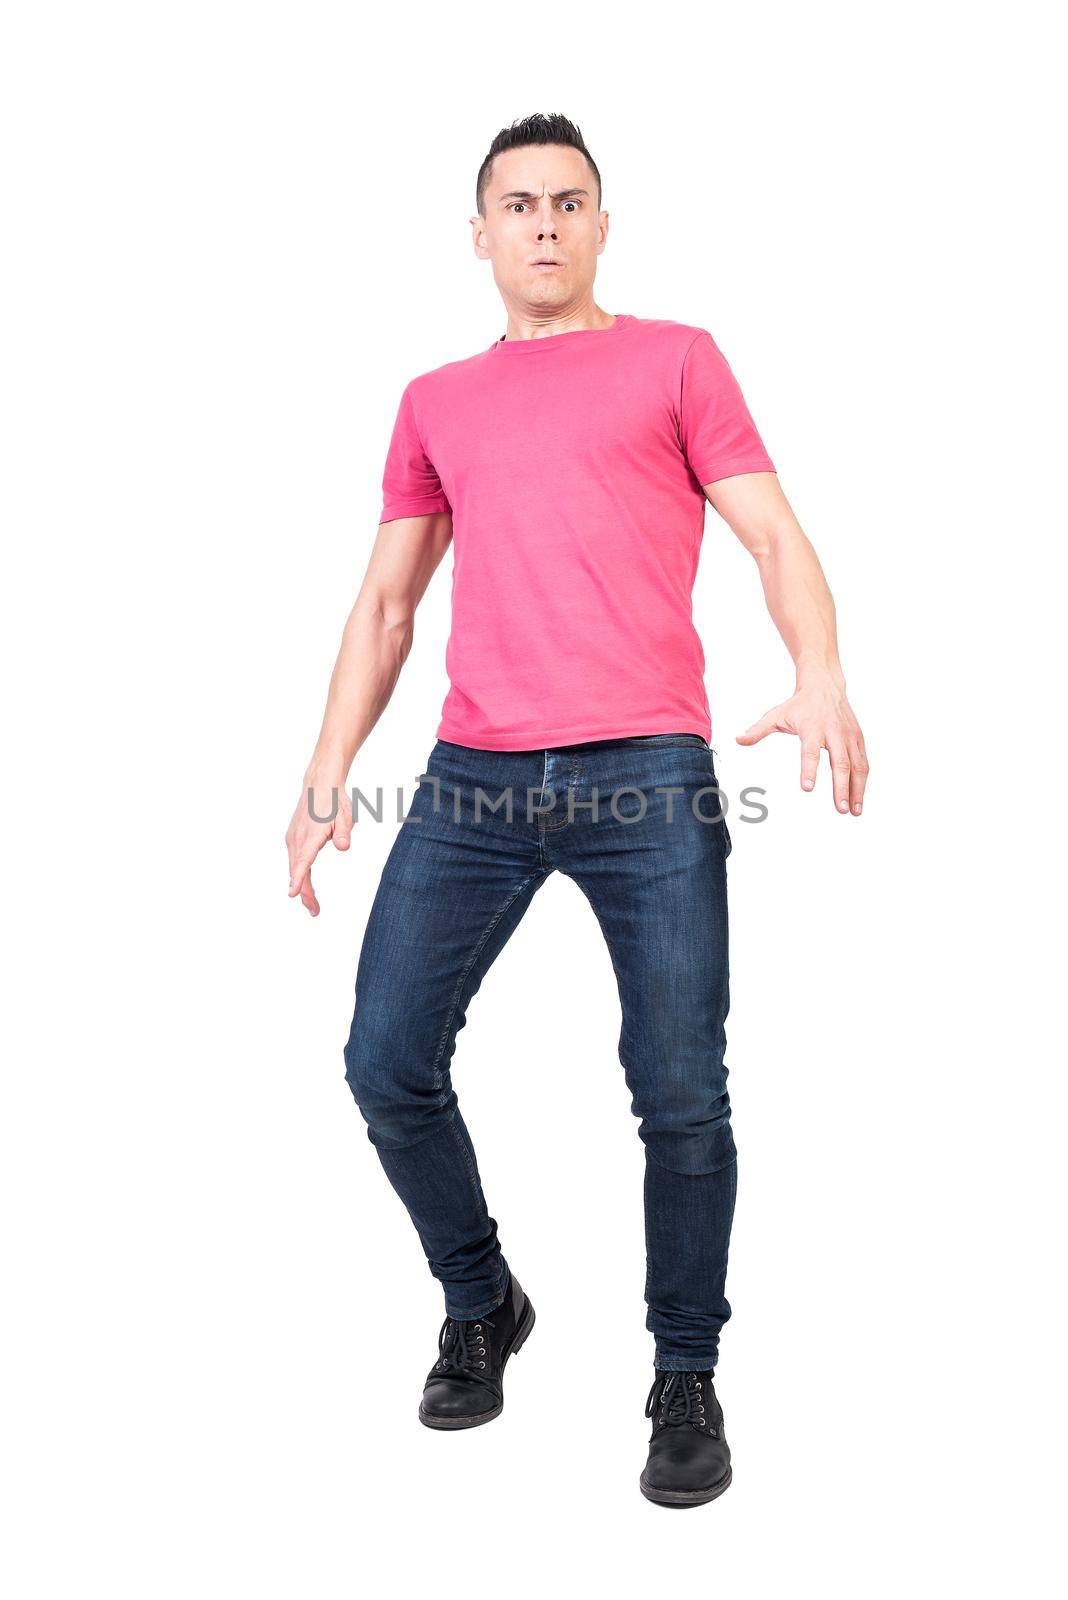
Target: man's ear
(603, 223)
(478, 237)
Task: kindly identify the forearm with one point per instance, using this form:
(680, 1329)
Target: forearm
(755, 508)
(374, 647)
(377, 639)
(800, 603)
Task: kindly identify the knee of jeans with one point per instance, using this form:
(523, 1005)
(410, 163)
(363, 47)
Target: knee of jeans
(400, 1095)
(690, 1137)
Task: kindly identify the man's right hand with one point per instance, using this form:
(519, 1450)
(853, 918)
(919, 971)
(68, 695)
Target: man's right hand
(305, 837)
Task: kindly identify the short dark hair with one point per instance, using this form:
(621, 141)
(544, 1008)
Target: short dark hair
(542, 128)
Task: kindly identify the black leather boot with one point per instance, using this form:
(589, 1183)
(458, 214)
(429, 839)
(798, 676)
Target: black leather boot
(689, 1458)
(464, 1387)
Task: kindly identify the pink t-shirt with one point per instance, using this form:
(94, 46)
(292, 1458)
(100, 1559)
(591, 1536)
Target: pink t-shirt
(573, 465)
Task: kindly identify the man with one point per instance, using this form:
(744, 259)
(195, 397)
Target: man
(569, 464)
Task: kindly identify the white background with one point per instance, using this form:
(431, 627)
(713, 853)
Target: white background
(234, 232)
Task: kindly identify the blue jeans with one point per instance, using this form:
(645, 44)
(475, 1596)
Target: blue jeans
(651, 860)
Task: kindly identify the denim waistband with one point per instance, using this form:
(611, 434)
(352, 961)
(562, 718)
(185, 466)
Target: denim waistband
(642, 739)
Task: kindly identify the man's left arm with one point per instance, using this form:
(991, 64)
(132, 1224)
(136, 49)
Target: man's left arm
(755, 508)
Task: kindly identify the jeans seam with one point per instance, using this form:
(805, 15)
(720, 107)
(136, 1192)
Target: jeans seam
(466, 973)
(472, 1171)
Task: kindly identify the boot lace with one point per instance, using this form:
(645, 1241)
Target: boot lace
(462, 1350)
(679, 1398)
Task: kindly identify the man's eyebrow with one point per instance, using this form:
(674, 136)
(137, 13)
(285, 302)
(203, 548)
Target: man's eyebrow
(560, 194)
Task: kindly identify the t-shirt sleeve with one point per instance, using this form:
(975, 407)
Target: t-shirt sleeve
(410, 484)
(718, 435)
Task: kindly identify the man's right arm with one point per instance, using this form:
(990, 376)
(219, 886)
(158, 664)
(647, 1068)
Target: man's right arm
(374, 648)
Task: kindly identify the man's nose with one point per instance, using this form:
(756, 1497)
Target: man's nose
(546, 225)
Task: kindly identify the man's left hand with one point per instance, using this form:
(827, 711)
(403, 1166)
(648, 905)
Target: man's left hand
(822, 718)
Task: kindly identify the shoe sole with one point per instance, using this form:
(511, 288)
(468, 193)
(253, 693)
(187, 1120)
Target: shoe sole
(519, 1339)
(683, 1498)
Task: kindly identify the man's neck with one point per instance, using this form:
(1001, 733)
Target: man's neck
(529, 322)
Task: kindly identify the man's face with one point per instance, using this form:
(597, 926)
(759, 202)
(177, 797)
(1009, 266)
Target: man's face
(542, 229)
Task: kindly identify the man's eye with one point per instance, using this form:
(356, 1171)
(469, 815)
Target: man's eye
(570, 205)
(517, 205)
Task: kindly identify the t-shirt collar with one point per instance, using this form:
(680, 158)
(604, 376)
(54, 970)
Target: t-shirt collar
(511, 347)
